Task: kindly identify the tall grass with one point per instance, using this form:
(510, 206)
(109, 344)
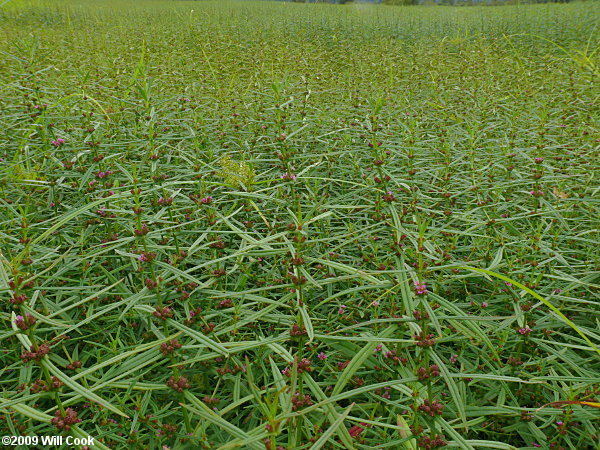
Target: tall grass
(263, 225)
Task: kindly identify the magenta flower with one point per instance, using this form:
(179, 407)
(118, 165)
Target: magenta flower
(525, 331)
(342, 309)
(288, 176)
(165, 201)
(322, 356)
(58, 142)
(104, 174)
(147, 257)
(420, 288)
(23, 323)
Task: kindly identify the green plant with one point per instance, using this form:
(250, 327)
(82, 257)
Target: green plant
(271, 225)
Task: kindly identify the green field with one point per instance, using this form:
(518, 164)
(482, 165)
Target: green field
(267, 225)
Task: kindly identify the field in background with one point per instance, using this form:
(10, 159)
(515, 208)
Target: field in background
(285, 226)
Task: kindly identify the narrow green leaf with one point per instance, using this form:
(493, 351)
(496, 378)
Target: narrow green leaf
(28, 411)
(459, 401)
(207, 414)
(332, 429)
(214, 346)
(307, 323)
(540, 298)
(68, 381)
(357, 362)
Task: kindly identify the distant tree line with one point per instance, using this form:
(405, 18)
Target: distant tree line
(439, 2)
(339, 2)
(467, 2)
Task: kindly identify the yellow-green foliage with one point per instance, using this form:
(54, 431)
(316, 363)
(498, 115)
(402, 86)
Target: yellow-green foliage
(237, 174)
(19, 174)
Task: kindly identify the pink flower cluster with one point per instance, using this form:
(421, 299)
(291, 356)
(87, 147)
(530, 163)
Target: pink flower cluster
(525, 331)
(147, 257)
(420, 288)
(432, 407)
(23, 323)
(288, 176)
(104, 174)
(64, 421)
(303, 365)
(178, 384)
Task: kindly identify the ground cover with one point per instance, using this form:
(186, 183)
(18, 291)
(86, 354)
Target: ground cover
(272, 225)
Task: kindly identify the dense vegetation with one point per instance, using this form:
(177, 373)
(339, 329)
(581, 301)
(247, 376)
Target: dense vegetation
(285, 226)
